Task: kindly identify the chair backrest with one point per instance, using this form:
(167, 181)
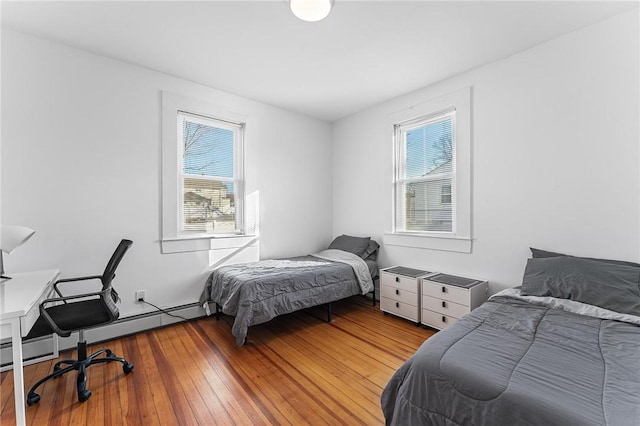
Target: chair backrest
(109, 295)
(116, 257)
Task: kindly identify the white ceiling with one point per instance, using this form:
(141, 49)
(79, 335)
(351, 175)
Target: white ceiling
(364, 53)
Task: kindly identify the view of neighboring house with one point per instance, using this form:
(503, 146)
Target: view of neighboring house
(429, 202)
(208, 206)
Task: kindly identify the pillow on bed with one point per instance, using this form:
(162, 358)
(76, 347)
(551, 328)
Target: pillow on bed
(538, 254)
(355, 245)
(371, 252)
(608, 285)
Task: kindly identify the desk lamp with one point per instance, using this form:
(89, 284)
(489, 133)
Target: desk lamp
(13, 236)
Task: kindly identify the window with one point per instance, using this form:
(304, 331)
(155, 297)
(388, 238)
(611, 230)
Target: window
(426, 174)
(210, 176)
(445, 195)
(432, 174)
(204, 205)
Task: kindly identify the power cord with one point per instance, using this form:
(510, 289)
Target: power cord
(164, 311)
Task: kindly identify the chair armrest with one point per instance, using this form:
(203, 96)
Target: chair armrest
(75, 296)
(68, 280)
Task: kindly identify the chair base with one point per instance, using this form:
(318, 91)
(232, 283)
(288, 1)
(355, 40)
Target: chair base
(80, 365)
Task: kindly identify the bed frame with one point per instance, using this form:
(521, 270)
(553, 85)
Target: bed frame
(327, 305)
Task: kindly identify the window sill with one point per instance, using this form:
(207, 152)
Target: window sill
(205, 243)
(433, 242)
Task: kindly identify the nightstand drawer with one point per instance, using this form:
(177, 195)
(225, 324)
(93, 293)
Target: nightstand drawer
(399, 282)
(401, 309)
(436, 319)
(400, 295)
(445, 307)
(446, 292)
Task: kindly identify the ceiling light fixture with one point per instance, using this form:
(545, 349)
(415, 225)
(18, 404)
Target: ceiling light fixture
(311, 10)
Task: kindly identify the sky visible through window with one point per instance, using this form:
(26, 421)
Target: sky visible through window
(428, 147)
(208, 150)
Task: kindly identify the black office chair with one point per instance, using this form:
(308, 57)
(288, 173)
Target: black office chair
(66, 314)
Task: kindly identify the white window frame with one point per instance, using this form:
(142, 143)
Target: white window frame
(173, 238)
(459, 240)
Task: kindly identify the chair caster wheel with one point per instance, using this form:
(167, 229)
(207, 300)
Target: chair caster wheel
(33, 399)
(84, 395)
(127, 368)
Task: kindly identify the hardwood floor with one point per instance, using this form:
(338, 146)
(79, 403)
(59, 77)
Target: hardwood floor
(296, 369)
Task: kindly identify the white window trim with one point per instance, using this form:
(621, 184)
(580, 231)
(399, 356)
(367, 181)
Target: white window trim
(172, 241)
(459, 240)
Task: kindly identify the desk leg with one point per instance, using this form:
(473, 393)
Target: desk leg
(18, 373)
(56, 347)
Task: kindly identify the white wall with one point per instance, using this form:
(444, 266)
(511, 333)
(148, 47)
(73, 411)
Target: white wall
(555, 163)
(81, 153)
(555, 140)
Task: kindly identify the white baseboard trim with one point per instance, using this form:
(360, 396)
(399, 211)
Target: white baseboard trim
(43, 346)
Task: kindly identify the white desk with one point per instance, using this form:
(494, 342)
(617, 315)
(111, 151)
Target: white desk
(20, 298)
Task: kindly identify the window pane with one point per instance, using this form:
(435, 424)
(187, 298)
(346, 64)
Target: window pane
(209, 206)
(207, 150)
(446, 194)
(424, 206)
(429, 149)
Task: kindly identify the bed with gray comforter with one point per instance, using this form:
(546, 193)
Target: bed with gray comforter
(535, 355)
(257, 292)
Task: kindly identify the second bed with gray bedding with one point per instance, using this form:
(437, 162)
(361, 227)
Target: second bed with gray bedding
(259, 291)
(511, 362)
(564, 349)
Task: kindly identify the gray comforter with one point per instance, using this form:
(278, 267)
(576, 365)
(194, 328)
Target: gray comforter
(511, 362)
(259, 291)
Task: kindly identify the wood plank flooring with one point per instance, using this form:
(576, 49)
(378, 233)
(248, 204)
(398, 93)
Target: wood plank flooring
(297, 369)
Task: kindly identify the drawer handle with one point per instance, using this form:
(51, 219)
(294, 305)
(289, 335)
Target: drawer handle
(444, 319)
(398, 305)
(397, 291)
(397, 279)
(444, 304)
(444, 289)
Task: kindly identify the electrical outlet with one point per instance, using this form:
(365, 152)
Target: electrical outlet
(140, 296)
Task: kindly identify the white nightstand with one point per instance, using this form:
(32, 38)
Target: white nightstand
(447, 298)
(400, 292)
